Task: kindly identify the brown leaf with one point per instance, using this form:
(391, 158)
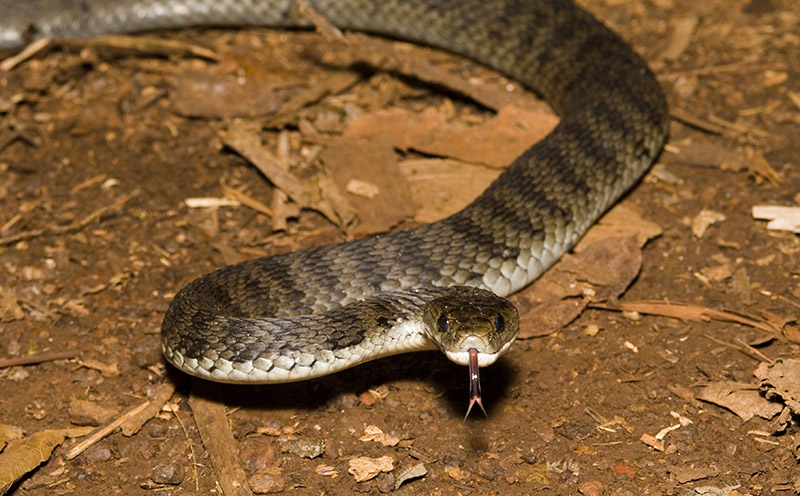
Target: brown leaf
(370, 161)
(602, 271)
(621, 221)
(782, 380)
(496, 142)
(442, 187)
(23, 455)
(741, 398)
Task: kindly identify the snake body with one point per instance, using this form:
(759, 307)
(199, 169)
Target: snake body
(308, 313)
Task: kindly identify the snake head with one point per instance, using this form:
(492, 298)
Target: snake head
(465, 318)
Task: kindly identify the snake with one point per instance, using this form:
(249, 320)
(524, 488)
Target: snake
(305, 314)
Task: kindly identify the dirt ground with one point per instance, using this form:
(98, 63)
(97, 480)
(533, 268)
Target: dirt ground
(100, 148)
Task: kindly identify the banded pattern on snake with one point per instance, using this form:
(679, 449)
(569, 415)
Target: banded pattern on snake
(309, 313)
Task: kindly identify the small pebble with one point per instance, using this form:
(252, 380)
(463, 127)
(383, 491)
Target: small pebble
(170, 474)
(487, 470)
(97, 454)
(307, 448)
(263, 483)
(591, 488)
(479, 443)
(386, 483)
(256, 454)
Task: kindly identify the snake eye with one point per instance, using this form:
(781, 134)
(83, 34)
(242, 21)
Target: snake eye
(499, 322)
(443, 323)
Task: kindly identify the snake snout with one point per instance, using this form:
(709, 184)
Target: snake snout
(485, 359)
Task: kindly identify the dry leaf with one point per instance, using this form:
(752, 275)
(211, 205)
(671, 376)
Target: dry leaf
(620, 222)
(9, 433)
(741, 398)
(603, 270)
(442, 187)
(23, 455)
(497, 142)
(782, 380)
(372, 163)
(689, 474)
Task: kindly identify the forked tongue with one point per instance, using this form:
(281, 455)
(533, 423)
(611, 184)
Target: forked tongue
(474, 383)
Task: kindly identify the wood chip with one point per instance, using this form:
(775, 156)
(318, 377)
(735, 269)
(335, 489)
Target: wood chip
(220, 97)
(651, 441)
(363, 188)
(208, 202)
(210, 416)
(705, 219)
(135, 422)
(413, 472)
(374, 433)
(780, 218)
(365, 468)
(244, 138)
(682, 33)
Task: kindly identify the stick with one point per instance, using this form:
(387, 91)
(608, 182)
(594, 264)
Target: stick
(36, 359)
(104, 431)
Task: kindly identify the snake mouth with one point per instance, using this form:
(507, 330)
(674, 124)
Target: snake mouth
(478, 346)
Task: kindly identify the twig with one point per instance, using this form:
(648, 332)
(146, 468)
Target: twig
(74, 226)
(683, 116)
(323, 27)
(744, 351)
(736, 67)
(686, 311)
(757, 353)
(135, 422)
(36, 359)
(104, 431)
(142, 44)
(26, 53)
